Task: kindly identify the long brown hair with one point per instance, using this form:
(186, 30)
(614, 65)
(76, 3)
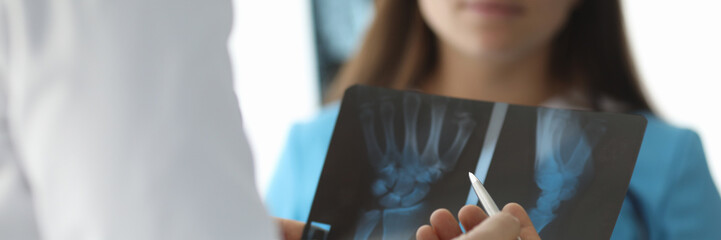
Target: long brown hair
(399, 49)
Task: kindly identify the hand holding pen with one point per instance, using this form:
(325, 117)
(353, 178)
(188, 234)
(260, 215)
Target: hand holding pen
(510, 223)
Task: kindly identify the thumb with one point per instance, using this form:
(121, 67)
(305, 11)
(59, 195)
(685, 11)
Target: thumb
(290, 229)
(502, 226)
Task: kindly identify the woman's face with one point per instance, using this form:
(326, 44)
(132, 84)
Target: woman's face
(495, 29)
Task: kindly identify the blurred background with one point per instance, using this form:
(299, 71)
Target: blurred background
(676, 48)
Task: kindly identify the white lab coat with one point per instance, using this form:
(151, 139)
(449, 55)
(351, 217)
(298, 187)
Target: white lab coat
(118, 120)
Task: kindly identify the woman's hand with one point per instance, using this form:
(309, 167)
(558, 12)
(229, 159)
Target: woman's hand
(512, 222)
(291, 229)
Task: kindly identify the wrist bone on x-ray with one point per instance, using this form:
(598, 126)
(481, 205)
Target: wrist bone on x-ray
(563, 150)
(404, 174)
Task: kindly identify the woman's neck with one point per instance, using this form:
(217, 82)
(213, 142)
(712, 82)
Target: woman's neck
(523, 81)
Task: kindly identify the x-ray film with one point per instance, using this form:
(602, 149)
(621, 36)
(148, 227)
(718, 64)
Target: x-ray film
(396, 156)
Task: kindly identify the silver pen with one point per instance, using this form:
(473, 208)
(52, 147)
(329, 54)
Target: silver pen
(488, 204)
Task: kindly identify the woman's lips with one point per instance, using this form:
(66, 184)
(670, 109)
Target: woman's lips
(494, 8)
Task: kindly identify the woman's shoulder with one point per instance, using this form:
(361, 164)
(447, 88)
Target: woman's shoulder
(325, 118)
(668, 154)
(662, 136)
(317, 128)
(671, 180)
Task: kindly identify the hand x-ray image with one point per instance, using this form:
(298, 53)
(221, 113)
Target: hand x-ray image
(396, 156)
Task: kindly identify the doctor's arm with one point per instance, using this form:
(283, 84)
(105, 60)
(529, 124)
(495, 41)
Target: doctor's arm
(122, 123)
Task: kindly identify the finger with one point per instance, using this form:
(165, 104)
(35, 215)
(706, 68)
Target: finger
(470, 216)
(502, 226)
(426, 232)
(444, 224)
(291, 229)
(528, 231)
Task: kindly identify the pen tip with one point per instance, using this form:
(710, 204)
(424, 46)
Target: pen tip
(471, 176)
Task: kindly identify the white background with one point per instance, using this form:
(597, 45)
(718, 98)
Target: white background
(677, 47)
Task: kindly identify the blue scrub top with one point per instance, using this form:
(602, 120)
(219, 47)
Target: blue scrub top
(671, 194)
